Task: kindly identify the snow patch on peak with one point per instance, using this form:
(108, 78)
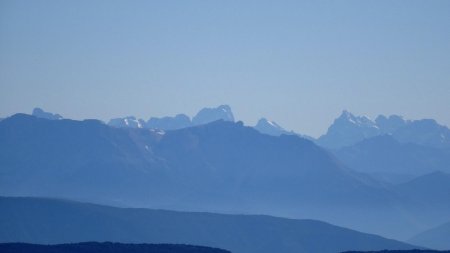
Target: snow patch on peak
(128, 122)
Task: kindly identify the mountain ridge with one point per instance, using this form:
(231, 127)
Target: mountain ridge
(29, 220)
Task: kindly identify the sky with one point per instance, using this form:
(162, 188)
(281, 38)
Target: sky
(299, 63)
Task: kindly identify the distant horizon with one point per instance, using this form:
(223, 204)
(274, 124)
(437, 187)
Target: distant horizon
(236, 118)
(297, 63)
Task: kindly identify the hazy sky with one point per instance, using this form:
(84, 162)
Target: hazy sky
(298, 63)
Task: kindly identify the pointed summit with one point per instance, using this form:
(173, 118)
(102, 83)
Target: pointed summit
(348, 129)
(265, 126)
(39, 113)
(207, 115)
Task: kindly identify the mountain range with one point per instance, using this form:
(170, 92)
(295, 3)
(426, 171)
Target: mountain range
(349, 129)
(385, 156)
(381, 184)
(221, 166)
(50, 221)
(346, 130)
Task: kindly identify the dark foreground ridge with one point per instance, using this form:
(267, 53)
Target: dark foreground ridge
(400, 251)
(106, 247)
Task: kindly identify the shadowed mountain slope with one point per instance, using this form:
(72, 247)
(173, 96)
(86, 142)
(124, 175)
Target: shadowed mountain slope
(46, 221)
(384, 154)
(435, 238)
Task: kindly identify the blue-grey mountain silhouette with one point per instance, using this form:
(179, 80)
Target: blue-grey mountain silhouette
(348, 129)
(384, 155)
(432, 189)
(436, 238)
(270, 127)
(388, 125)
(48, 221)
(425, 132)
(208, 115)
(204, 116)
(169, 123)
(218, 166)
(39, 113)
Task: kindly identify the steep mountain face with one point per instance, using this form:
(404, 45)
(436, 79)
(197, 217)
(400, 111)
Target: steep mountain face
(105, 247)
(39, 113)
(129, 121)
(265, 126)
(385, 155)
(86, 158)
(75, 158)
(240, 164)
(48, 221)
(434, 238)
(207, 115)
(348, 130)
(169, 123)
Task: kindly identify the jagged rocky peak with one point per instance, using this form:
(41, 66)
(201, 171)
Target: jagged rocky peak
(348, 129)
(130, 122)
(207, 115)
(39, 113)
(347, 117)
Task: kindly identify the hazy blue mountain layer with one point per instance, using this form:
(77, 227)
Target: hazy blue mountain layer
(169, 123)
(436, 238)
(349, 129)
(265, 126)
(208, 115)
(48, 221)
(105, 247)
(221, 166)
(384, 154)
(204, 116)
(39, 113)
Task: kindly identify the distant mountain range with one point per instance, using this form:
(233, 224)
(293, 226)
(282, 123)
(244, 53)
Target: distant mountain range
(385, 155)
(349, 129)
(204, 116)
(346, 130)
(221, 166)
(49, 221)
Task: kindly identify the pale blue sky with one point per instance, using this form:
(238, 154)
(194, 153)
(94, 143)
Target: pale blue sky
(298, 63)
